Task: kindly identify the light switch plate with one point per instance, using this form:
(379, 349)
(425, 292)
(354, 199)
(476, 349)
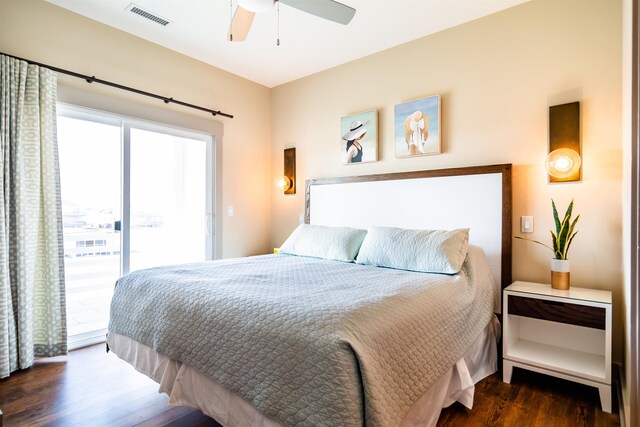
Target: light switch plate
(526, 224)
(229, 210)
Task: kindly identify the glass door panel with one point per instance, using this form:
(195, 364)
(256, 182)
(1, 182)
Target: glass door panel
(168, 199)
(89, 153)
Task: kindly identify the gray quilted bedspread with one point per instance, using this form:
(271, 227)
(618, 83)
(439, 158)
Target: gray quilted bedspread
(309, 342)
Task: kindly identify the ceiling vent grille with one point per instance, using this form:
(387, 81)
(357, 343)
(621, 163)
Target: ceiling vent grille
(148, 15)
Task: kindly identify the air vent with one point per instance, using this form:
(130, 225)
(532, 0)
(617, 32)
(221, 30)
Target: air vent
(148, 15)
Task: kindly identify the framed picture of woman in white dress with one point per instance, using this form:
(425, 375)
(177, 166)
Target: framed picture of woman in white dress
(417, 127)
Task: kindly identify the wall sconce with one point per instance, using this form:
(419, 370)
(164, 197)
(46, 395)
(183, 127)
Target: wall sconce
(287, 182)
(563, 161)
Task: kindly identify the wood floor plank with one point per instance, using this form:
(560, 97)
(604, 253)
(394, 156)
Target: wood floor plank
(174, 415)
(91, 388)
(194, 419)
(158, 406)
(110, 411)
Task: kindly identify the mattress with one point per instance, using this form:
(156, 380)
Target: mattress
(188, 387)
(309, 342)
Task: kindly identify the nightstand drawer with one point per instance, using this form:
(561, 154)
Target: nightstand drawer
(573, 314)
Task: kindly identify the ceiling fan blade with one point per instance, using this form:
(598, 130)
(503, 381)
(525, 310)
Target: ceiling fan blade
(327, 9)
(240, 24)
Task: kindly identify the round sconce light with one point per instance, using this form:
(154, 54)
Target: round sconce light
(284, 183)
(563, 163)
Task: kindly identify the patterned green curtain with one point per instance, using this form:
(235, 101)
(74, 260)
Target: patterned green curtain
(32, 295)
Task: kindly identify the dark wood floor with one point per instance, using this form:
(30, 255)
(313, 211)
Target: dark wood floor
(91, 388)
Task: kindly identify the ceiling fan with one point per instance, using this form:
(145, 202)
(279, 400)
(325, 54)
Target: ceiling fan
(327, 9)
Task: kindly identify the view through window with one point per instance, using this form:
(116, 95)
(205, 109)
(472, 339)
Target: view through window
(168, 187)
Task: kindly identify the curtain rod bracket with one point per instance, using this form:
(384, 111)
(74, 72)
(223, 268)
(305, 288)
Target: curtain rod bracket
(91, 79)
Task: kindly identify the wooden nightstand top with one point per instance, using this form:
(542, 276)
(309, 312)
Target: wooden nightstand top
(581, 294)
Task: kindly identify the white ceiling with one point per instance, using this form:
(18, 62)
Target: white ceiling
(308, 44)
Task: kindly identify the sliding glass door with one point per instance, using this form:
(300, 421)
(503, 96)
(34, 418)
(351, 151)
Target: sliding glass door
(134, 195)
(90, 180)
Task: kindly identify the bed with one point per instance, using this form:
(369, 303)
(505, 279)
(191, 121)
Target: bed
(297, 340)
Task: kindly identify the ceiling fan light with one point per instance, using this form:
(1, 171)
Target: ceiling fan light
(256, 6)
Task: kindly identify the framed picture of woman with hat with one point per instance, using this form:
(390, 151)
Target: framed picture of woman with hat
(359, 138)
(417, 127)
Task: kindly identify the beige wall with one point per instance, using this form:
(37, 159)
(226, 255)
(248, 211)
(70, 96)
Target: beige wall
(40, 31)
(497, 76)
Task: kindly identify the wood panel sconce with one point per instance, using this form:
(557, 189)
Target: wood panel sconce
(563, 161)
(287, 181)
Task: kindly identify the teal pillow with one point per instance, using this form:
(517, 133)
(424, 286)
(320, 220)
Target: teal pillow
(429, 251)
(318, 241)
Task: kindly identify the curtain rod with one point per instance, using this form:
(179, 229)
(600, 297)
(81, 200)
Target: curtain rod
(94, 79)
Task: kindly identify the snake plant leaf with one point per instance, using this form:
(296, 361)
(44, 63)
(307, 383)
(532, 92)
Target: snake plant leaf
(554, 242)
(569, 244)
(564, 234)
(534, 241)
(570, 234)
(565, 229)
(569, 210)
(573, 224)
(555, 216)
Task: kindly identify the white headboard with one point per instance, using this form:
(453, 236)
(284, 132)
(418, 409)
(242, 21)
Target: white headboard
(478, 198)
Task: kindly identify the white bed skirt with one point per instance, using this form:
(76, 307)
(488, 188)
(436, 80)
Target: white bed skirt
(188, 387)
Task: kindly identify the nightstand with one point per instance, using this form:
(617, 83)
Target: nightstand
(566, 334)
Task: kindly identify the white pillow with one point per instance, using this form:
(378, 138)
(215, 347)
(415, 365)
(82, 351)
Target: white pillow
(334, 243)
(430, 251)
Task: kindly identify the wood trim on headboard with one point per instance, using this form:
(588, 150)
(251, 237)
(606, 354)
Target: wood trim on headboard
(504, 169)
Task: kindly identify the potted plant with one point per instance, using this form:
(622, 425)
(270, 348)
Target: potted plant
(561, 242)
